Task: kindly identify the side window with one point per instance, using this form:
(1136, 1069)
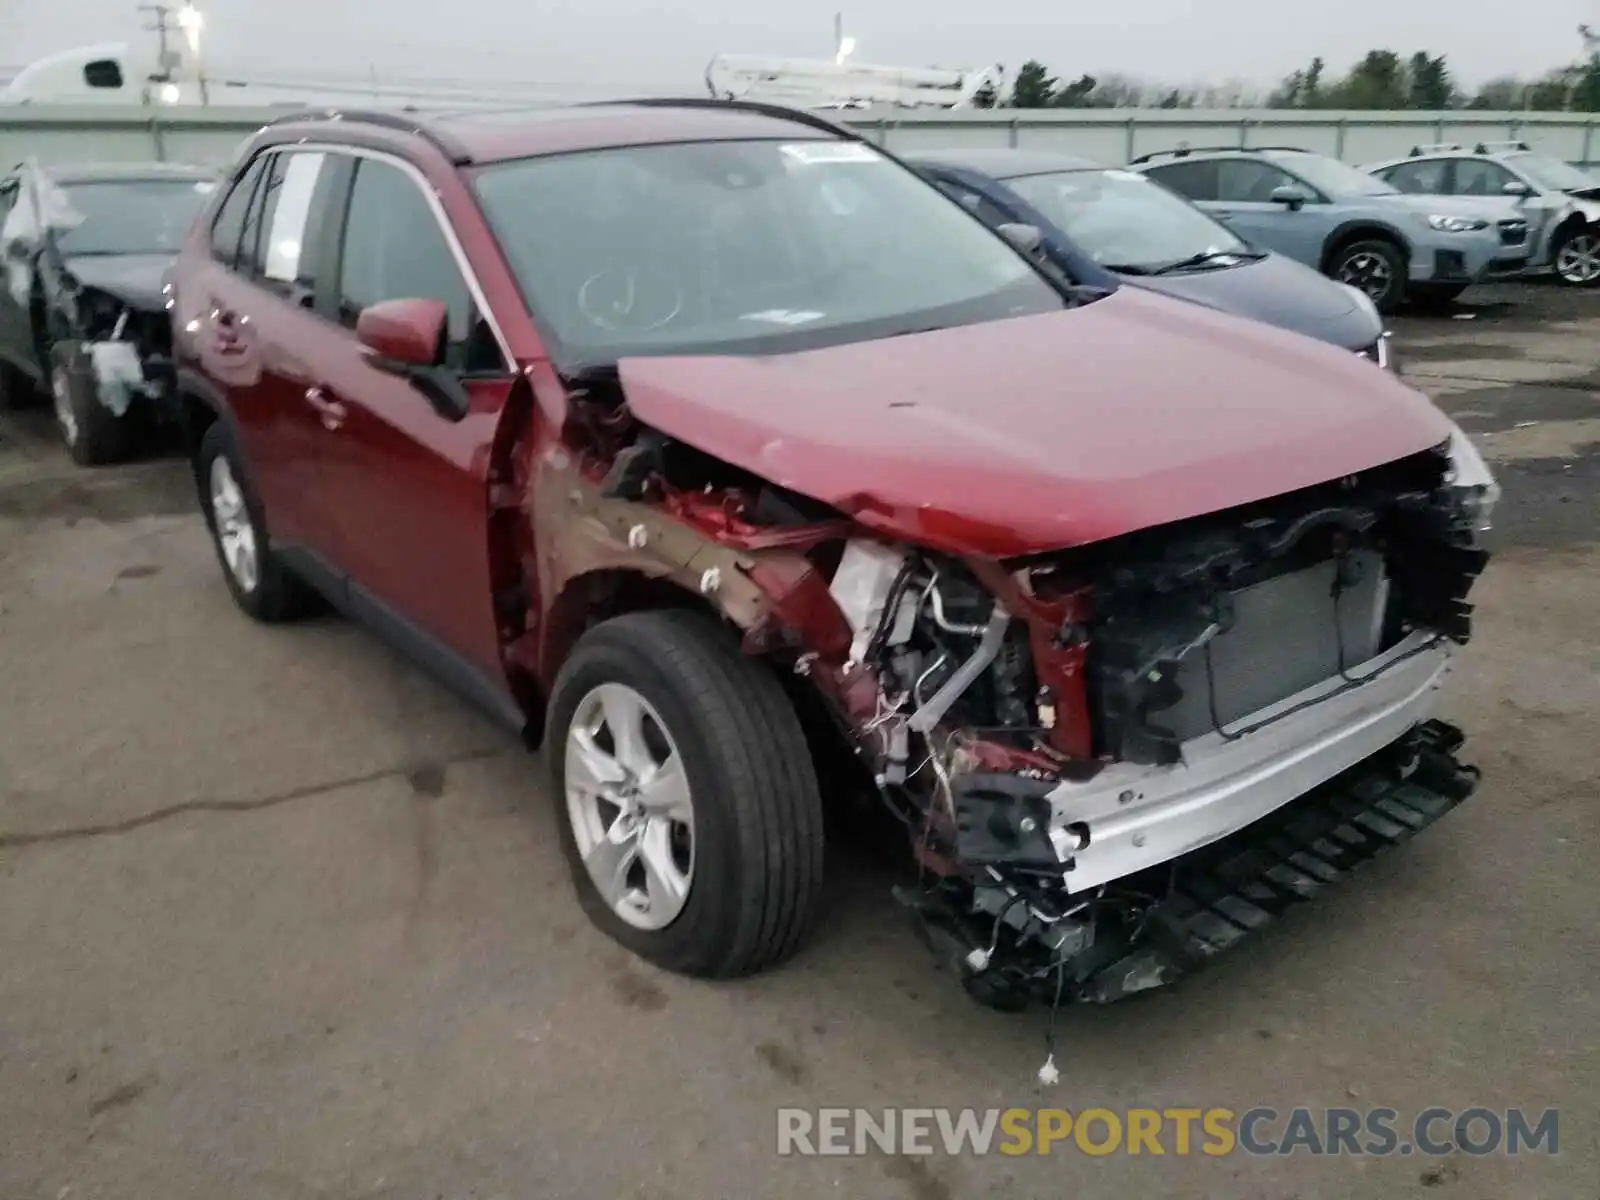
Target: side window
(228, 227)
(1194, 180)
(394, 249)
(1479, 177)
(282, 255)
(1426, 177)
(8, 201)
(1244, 181)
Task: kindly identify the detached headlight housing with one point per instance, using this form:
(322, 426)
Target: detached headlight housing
(1449, 224)
(1469, 483)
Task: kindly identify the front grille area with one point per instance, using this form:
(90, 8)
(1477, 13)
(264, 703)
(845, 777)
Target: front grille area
(1288, 633)
(1513, 233)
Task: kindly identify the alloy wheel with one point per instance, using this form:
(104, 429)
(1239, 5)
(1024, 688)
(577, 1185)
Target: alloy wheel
(231, 518)
(1368, 272)
(630, 806)
(1578, 260)
(61, 399)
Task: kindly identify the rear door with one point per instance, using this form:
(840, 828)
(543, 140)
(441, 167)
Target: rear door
(1245, 204)
(407, 488)
(256, 334)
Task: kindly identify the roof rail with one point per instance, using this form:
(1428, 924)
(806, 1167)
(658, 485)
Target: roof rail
(800, 116)
(1500, 147)
(1436, 148)
(1185, 151)
(401, 122)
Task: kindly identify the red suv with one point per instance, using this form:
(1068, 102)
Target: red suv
(707, 442)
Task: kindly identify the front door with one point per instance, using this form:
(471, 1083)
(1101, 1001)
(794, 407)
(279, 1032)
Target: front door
(407, 488)
(1244, 203)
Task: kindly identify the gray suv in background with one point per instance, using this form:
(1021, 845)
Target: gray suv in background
(1560, 202)
(1349, 224)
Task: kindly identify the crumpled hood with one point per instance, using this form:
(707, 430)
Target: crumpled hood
(1038, 433)
(135, 279)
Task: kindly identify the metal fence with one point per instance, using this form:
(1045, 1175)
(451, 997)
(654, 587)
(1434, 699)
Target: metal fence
(101, 133)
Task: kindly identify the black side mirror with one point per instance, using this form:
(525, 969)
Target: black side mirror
(1291, 197)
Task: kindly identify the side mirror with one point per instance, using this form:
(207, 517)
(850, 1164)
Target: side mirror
(1028, 239)
(1292, 197)
(1518, 189)
(408, 338)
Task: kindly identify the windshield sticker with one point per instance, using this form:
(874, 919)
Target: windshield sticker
(831, 152)
(1118, 173)
(783, 316)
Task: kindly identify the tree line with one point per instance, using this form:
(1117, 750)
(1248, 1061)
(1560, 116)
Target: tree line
(1382, 79)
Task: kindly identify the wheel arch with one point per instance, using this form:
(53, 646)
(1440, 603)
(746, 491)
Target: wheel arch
(1358, 230)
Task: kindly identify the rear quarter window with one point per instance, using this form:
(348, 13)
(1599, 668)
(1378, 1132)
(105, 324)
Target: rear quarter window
(228, 227)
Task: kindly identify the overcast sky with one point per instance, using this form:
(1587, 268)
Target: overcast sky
(666, 43)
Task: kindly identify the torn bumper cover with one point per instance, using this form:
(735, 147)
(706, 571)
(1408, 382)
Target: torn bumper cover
(1166, 921)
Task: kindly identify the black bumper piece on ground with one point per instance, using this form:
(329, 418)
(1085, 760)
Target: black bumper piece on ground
(1215, 897)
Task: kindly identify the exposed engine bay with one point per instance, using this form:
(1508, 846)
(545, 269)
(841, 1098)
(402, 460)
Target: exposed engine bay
(1110, 760)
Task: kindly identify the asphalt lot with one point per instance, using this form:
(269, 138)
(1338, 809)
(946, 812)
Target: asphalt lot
(279, 918)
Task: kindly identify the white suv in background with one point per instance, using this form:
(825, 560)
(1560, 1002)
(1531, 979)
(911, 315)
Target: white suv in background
(1561, 201)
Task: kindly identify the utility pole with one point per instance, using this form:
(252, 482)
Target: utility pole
(165, 59)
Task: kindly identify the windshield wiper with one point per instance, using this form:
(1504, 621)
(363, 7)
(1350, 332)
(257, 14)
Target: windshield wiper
(1126, 268)
(1204, 257)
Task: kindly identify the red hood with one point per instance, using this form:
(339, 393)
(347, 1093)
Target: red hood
(1038, 433)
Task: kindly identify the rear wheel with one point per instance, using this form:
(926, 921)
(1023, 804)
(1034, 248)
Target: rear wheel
(1576, 256)
(261, 585)
(93, 434)
(1375, 267)
(688, 803)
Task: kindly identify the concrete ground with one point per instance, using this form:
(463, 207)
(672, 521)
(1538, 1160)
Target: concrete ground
(280, 919)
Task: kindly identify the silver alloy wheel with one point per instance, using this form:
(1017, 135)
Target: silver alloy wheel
(1578, 260)
(61, 396)
(629, 803)
(235, 534)
(1369, 272)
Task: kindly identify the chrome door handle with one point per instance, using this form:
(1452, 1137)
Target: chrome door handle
(332, 412)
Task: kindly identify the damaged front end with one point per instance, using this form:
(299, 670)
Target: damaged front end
(98, 321)
(1113, 760)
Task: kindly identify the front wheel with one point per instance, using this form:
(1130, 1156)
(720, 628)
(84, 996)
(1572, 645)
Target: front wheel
(1576, 257)
(687, 799)
(93, 434)
(1375, 267)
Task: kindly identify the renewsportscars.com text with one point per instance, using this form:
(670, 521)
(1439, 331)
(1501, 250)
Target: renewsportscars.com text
(1259, 1131)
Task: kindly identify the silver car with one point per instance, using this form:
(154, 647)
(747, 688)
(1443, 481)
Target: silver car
(1561, 202)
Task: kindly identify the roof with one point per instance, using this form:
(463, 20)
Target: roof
(71, 173)
(497, 136)
(1007, 164)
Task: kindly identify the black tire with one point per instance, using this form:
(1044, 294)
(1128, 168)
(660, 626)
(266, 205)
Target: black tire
(1585, 238)
(1358, 264)
(92, 433)
(1435, 297)
(276, 594)
(757, 809)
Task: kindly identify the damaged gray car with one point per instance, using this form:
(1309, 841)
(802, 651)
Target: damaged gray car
(83, 313)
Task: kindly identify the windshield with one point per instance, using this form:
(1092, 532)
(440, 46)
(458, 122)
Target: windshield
(1550, 172)
(1122, 219)
(1334, 177)
(132, 216)
(744, 246)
